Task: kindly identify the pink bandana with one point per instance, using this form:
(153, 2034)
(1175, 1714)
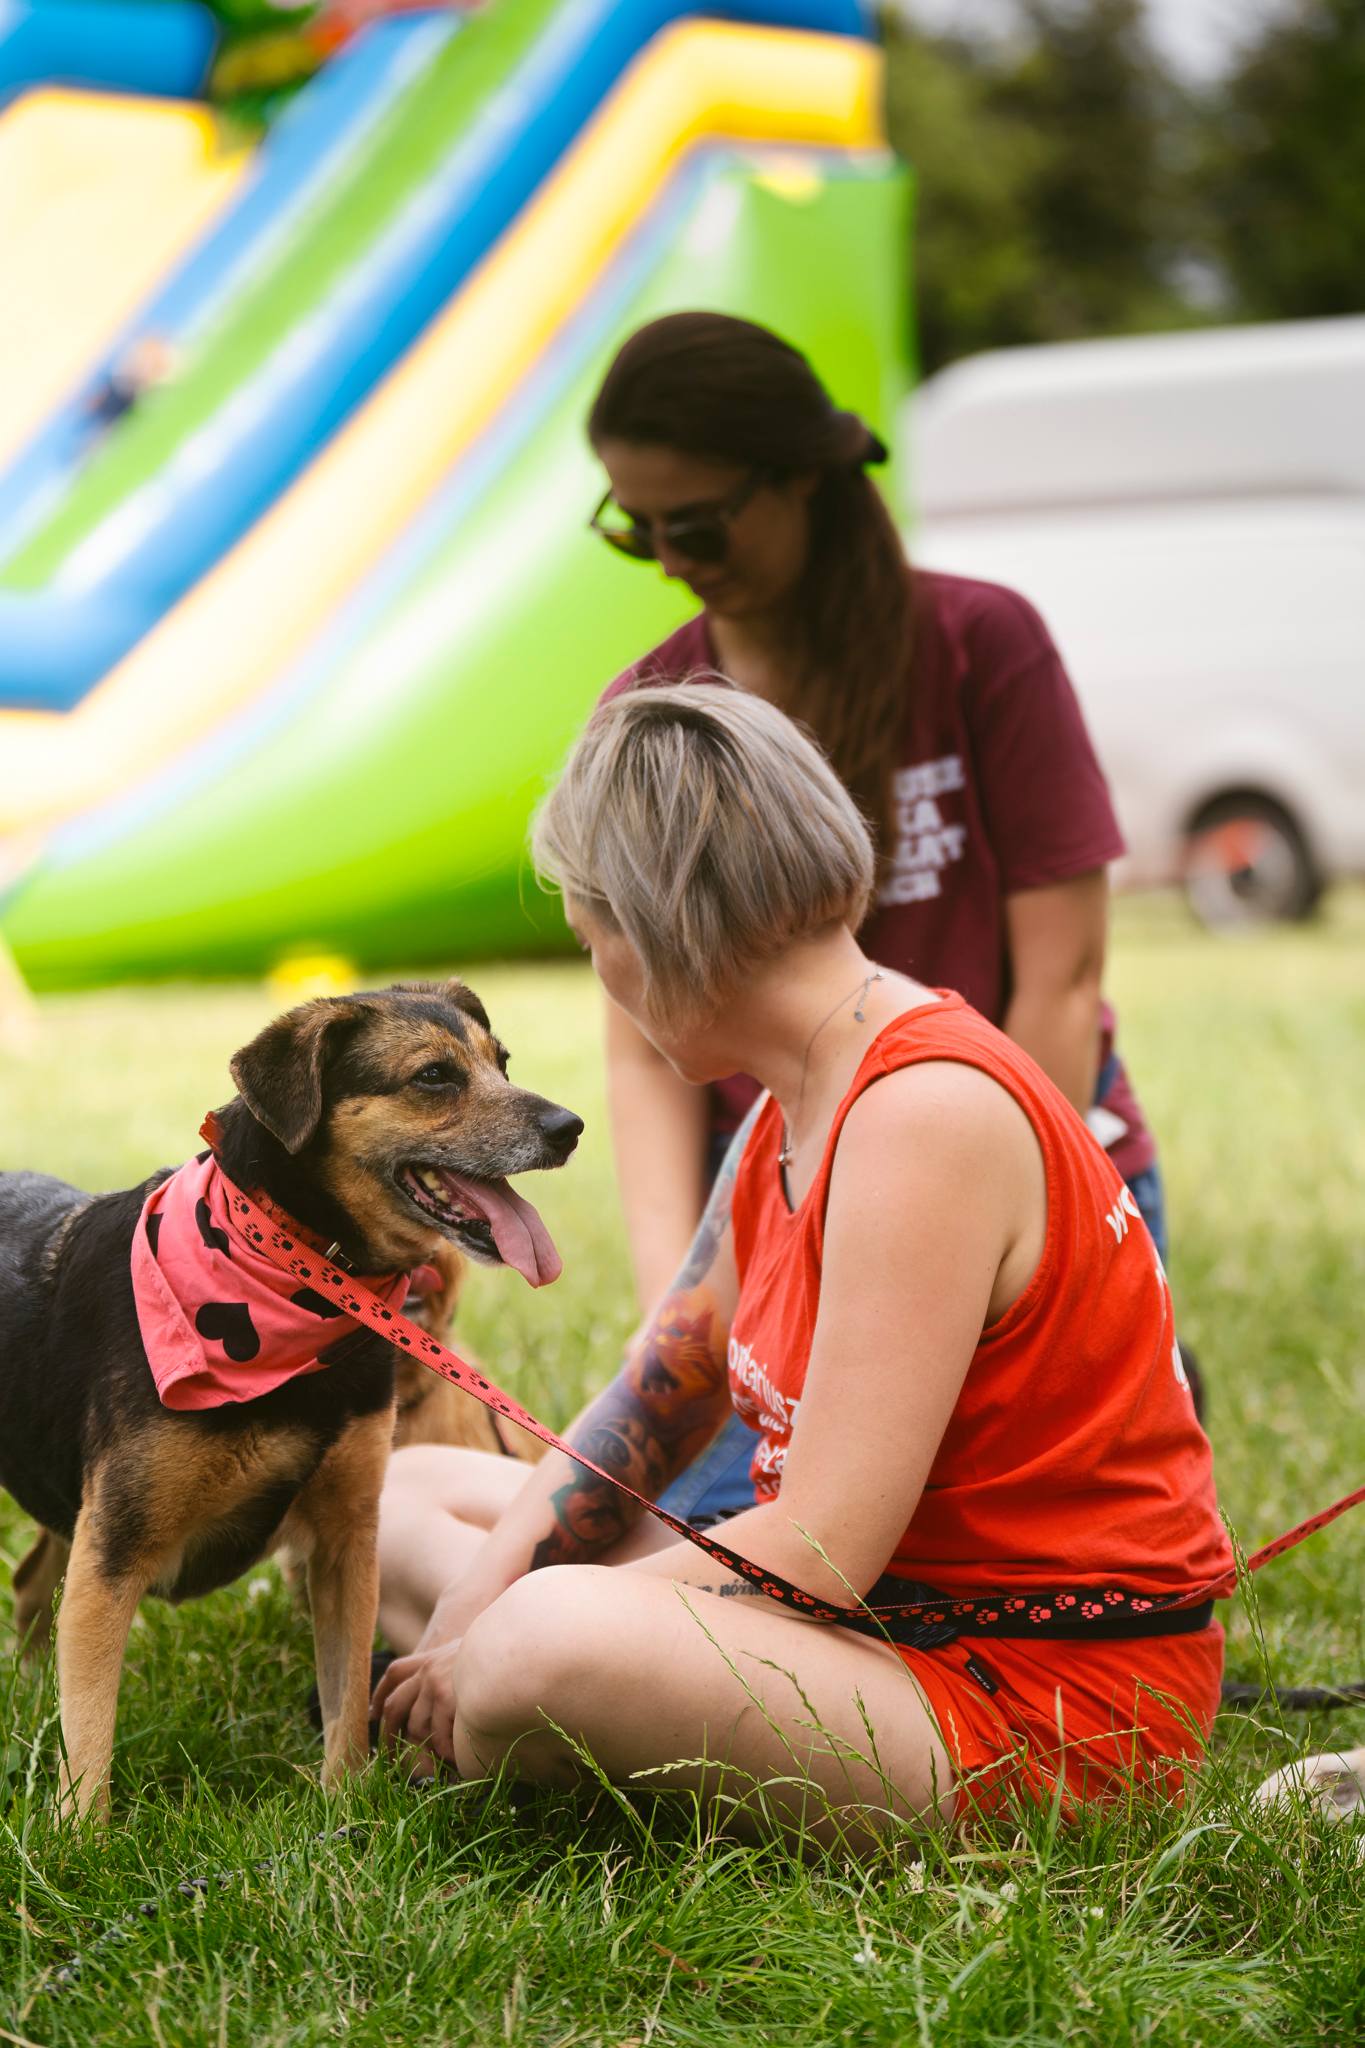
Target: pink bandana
(220, 1322)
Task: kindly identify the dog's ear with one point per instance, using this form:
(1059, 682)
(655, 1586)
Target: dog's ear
(279, 1075)
(463, 997)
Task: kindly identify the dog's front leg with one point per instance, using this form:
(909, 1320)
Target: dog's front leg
(92, 1632)
(340, 1510)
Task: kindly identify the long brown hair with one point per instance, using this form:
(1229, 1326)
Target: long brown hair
(734, 392)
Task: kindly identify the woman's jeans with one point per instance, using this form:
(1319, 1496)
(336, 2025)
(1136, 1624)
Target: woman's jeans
(717, 1484)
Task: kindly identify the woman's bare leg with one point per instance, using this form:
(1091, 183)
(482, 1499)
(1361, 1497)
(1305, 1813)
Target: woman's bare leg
(437, 1505)
(673, 1686)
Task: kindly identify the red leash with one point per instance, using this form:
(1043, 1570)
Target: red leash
(940, 1618)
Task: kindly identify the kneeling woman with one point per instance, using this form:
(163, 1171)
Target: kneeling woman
(921, 1283)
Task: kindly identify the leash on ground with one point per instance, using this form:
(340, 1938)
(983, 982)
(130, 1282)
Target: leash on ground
(1295, 1699)
(123, 1930)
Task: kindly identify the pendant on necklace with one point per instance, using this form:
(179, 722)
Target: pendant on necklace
(858, 1016)
(787, 1154)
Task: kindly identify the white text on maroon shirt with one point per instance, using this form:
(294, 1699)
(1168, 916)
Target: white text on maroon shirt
(925, 844)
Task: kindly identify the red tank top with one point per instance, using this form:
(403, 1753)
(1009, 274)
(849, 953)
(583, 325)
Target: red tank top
(1073, 1453)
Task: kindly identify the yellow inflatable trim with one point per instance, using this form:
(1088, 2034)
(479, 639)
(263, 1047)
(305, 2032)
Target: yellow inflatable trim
(98, 197)
(256, 612)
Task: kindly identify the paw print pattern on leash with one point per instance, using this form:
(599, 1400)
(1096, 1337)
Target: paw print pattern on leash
(925, 1621)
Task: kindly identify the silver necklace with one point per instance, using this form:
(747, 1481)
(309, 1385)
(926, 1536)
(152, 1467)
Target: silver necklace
(784, 1157)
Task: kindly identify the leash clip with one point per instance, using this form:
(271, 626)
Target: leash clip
(335, 1256)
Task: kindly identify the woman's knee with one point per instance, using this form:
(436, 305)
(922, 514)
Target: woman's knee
(447, 1479)
(532, 1651)
(415, 1473)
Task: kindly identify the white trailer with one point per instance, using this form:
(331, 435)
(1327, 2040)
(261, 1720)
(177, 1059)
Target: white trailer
(1188, 513)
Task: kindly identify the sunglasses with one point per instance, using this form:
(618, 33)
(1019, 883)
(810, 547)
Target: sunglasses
(700, 533)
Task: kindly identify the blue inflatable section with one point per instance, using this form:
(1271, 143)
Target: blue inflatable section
(56, 644)
(494, 451)
(310, 143)
(163, 48)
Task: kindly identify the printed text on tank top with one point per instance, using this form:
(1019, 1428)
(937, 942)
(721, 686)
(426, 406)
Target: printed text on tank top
(1072, 1452)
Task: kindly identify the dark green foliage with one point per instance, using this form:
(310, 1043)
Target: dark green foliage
(1284, 166)
(1070, 187)
(1046, 178)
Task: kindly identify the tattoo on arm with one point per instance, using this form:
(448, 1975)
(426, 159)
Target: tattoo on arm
(660, 1411)
(715, 1219)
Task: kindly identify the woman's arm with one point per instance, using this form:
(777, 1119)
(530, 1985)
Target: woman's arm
(659, 1411)
(1056, 941)
(662, 1408)
(658, 1134)
(1051, 826)
(935, 1220)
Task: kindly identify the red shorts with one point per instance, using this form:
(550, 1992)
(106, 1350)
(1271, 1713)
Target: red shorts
(1100, 1717)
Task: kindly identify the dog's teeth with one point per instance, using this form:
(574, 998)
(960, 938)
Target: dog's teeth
(431, 1181)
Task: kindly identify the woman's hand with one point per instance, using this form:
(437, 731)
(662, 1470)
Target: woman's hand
(414, 1702)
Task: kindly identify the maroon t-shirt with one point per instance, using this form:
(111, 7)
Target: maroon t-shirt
(998, 790)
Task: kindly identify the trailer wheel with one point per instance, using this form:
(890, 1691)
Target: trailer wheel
(1248, 864)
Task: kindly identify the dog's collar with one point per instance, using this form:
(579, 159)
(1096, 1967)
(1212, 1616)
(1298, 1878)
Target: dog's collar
(211, 1131)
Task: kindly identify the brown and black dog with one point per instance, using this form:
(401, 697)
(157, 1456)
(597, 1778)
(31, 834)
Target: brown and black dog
(350, 1114)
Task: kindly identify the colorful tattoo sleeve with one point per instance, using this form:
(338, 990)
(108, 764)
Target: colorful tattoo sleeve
(662, 1408)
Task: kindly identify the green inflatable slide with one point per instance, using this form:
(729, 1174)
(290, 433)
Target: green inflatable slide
(335, 741)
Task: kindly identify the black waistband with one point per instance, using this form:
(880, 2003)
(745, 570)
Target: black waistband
(921, 1635)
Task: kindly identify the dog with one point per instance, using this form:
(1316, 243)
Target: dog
(383, 1125)
(432, 1410)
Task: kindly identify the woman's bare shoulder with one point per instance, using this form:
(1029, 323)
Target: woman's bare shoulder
(938, 1113)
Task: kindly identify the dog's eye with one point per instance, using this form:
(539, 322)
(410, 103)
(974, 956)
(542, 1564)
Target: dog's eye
(504, 1059)
(439, 1074)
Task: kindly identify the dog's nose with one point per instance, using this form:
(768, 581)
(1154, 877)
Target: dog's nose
(561, 1130)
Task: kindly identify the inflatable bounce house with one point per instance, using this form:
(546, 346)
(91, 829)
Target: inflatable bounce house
(298, 605)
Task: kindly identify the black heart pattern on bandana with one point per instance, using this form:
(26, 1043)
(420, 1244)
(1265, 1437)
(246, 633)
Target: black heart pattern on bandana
(219, 1321)
(316, 1304)
(229, 1323)
(214, 1238)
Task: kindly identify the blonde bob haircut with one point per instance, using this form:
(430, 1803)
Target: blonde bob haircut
(709, 828)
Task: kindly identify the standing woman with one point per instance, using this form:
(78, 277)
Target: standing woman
(941, 702)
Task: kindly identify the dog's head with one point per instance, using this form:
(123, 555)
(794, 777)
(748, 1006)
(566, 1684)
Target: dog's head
(396, 1107)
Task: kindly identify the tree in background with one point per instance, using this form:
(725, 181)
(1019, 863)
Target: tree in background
(977, 259)
(1068, 186)
(1048, 177)
(1283, 166)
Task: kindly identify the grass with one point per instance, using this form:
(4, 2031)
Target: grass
(479, 1914)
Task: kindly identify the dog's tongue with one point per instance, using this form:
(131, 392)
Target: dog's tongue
(520, 1236)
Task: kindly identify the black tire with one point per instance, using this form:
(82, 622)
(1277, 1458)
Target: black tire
(1248, 864)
